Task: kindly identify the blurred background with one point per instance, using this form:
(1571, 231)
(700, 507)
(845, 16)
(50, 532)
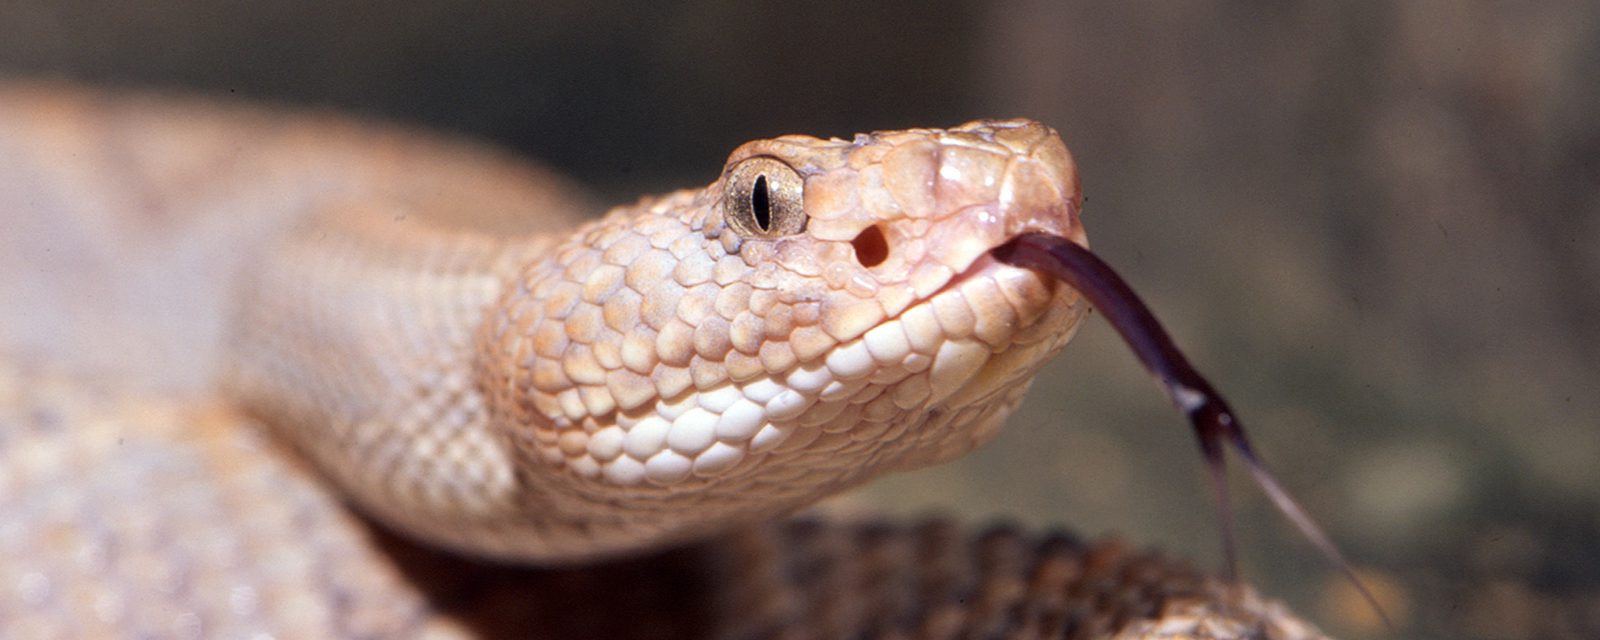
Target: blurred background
(1374, 224)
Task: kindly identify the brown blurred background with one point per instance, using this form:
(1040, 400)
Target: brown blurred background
(1373, 223)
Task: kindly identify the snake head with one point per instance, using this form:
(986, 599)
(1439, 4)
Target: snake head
(884, 241)
(824, 311)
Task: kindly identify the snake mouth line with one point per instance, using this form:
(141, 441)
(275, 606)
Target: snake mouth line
(983, 264)
(992, 260)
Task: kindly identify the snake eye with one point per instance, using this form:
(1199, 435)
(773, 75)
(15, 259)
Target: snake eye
(764, 198)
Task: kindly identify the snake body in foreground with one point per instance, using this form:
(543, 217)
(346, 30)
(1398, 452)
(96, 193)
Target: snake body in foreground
(438, 332)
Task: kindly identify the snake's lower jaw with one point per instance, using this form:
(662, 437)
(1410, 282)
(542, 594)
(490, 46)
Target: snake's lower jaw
(976, 386)
(968, 372)
(972, 379)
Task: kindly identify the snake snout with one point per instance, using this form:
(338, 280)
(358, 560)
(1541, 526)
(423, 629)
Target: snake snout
(988, 182)
(1040, 191)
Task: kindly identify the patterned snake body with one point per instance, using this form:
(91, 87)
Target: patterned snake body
(441, 332)
(655, 375)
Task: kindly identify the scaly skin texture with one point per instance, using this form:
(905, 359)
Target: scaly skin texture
(655, 375)
(426, 325)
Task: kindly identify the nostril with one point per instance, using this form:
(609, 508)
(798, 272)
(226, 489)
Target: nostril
(871, 247)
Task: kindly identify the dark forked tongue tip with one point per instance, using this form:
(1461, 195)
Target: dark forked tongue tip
(1214, 423)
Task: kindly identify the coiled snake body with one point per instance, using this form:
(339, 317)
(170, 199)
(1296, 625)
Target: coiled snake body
(441, 335)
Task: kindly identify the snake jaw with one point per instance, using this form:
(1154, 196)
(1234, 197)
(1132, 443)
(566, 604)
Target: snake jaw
(972, 372)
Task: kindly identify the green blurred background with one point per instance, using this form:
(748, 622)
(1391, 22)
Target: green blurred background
(1373, 223)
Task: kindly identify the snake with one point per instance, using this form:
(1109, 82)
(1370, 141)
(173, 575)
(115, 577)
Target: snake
(448, 337)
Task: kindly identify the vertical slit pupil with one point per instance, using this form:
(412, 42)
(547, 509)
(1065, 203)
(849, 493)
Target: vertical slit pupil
(760, 204)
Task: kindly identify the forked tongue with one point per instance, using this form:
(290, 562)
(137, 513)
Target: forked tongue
(1214, 423)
